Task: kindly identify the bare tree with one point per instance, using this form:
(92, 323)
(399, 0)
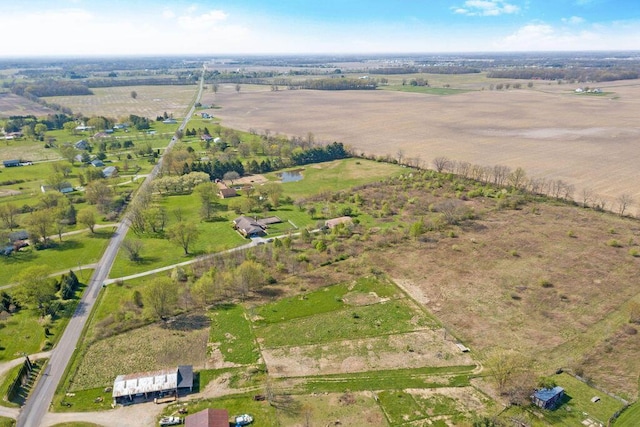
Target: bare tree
(440, 163)
(624, 201)
(587, 197)
(500, 174)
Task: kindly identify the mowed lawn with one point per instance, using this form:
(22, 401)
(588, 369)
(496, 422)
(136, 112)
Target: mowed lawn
(74, 251)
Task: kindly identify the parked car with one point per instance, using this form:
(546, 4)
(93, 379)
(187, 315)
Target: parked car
(170, 421)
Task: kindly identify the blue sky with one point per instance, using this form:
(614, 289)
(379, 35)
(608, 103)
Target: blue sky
(208, 27)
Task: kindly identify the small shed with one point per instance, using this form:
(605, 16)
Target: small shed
(548, 398)
(208, 418)
(11, 163)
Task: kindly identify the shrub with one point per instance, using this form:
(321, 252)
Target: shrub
(614, 243)
(571, 233)
(634, 252)
(545, 283)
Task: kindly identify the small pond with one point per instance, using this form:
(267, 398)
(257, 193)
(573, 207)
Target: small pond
(291, 176)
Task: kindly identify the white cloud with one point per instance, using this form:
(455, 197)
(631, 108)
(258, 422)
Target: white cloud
(486, 8)
(168, 14)
(544, 37)
(574, 20)
(203, 20)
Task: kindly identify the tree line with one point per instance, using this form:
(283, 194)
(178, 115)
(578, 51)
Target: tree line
(50, 87)
(335, 84)
(571, 74)
(430, 69)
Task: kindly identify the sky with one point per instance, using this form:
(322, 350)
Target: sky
(239, 27)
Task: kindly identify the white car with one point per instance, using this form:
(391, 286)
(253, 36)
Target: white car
(170, 421)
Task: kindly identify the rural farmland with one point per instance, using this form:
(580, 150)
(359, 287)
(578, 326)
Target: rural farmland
(549, 131)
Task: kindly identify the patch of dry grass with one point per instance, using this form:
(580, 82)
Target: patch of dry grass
(150, 348)
(559, 301)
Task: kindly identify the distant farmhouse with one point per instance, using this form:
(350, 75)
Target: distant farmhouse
(548, 398)
(146, 386)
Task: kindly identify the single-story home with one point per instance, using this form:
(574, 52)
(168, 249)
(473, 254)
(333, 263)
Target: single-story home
(205, 115)
(97, 163)
(170, 121)
(225, 192)
(548, 398)
(332, 223)
(146, 386)
(208, 418)
(11, 163)
(109, 171)
(250, 227)
(81, 145)
(206, 137)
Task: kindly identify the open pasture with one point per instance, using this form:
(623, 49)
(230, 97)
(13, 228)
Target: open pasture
(549, 131)
(116, 102)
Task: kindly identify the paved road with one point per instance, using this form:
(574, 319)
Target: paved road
(37, 405)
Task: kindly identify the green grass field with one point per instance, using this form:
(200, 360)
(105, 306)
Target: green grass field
(74, 251)
(630, 417)
(232, 334)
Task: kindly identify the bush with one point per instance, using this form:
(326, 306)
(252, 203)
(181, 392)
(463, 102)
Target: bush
(545, 283)
(614, 243)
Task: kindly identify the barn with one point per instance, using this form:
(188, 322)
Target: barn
(146, 386)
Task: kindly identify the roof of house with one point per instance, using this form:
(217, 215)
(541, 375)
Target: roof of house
(546, 394)
(335, 221)
(208, 418)
(248, 226)
(149, 382)
(109, 171)
(12, 162)
(228, 192)
(97, 162)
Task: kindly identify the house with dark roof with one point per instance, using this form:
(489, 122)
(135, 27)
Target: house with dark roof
(97, 163)
(81, 145)
(146, 386)
(548, 398)
(224, 191)
(208, 418)
(249, 227)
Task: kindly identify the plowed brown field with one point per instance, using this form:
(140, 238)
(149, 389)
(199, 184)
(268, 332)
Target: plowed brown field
(585, 140)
